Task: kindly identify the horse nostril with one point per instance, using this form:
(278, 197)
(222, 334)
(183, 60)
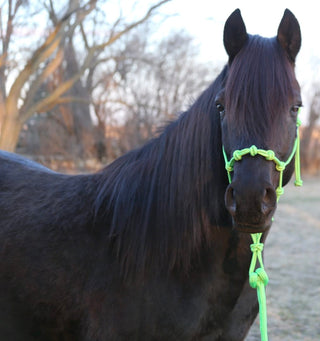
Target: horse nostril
(269, 200)
(230, 201)
(250, 204)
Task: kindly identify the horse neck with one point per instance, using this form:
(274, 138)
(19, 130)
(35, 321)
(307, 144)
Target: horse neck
(162, 201)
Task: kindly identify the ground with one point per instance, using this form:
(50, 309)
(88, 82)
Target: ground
(292, 261)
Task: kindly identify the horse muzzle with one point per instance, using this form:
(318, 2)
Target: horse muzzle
(251, 205)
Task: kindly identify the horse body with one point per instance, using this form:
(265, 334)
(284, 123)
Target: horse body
(145, 249)
(58, 278)
(38, 250)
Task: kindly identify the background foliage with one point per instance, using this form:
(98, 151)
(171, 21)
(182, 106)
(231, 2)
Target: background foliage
(84, 81)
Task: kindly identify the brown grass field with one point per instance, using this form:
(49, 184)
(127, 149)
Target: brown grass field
(292, 261)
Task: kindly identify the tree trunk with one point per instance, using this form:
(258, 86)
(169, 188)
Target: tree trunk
(82, 122)
(10, 131)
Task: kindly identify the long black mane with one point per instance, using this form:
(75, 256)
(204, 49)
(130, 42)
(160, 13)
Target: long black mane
(155, 200)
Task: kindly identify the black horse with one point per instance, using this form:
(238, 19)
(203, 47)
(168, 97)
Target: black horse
(152, 247)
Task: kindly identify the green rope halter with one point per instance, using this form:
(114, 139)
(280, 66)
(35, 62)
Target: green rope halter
(258, 277)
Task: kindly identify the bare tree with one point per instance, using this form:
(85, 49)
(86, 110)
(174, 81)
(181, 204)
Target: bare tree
(21, 100)
(155, 82)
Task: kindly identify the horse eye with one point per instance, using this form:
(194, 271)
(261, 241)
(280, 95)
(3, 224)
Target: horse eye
(220, 108)
(295, 109)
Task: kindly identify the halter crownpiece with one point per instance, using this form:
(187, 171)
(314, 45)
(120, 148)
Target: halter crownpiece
(258, 278)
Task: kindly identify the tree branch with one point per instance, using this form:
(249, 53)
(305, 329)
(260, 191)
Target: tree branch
(35, 85)
(51, 100)
(39, 56)
(63, 100)
(118, 35)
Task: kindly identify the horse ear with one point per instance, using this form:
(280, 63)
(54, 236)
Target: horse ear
(235, 34)
(289, 35)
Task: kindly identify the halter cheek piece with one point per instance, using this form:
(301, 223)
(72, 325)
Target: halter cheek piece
(258, 277)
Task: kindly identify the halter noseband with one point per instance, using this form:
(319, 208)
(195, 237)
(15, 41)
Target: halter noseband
(270, 156)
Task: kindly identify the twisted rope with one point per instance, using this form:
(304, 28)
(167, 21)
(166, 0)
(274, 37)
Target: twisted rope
(258, 278)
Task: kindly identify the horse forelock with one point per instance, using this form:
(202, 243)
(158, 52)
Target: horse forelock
(161, 201)
(260, 87)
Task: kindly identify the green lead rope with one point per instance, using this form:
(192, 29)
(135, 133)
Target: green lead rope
(258, 277)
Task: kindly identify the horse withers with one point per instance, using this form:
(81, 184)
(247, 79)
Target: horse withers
(153, 247)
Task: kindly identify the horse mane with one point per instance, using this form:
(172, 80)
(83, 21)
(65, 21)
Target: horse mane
(251, 91)
(161, 201)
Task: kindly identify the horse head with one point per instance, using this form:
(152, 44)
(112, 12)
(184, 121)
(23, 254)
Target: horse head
(258, 107)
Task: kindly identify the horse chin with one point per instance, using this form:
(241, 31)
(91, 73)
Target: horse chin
(251, 228)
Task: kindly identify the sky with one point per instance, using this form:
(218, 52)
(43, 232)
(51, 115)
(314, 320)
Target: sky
(205, 19)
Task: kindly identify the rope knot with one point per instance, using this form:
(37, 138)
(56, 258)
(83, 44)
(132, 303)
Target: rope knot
(229, 168)
(279, 191)
(237, 155)
(298, 182)
(270, 155)
(253, 150)
(253, 280)
(258, 277)
(280, 166)
(256, 247)
(262, 275)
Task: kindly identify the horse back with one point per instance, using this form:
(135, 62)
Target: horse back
(46, 249)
